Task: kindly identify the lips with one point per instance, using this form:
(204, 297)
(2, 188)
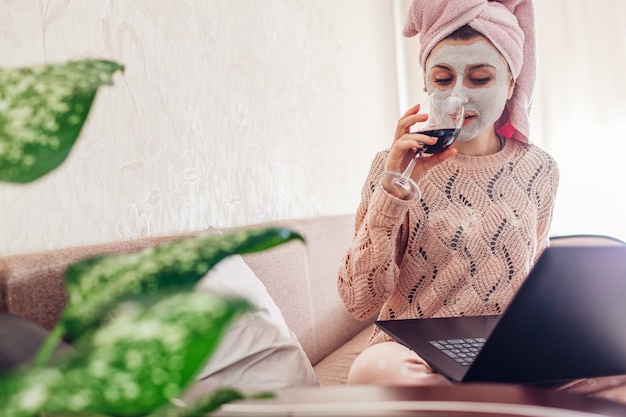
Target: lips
(469, 118)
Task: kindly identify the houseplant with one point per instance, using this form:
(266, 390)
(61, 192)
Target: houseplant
(140, 333)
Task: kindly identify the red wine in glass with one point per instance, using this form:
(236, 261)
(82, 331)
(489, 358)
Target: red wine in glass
(445, 138)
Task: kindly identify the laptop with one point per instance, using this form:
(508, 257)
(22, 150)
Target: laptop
(567, 321)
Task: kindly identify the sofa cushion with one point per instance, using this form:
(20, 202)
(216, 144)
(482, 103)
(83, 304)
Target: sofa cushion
(334, 368)
(258, 351)
(302, 279)
(20, 340)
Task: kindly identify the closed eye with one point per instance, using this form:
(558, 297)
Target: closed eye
(443, 81)
(481, 81)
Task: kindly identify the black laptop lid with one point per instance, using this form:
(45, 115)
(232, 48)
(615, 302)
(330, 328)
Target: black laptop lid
(567, 321)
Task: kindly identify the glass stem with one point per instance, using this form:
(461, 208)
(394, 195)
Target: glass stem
(409, 168)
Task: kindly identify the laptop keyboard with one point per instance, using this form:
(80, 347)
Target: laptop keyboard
(463, 351)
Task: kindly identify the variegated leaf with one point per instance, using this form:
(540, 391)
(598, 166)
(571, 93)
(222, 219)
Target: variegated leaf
(42, 110)
(97, 284)
(136, 363)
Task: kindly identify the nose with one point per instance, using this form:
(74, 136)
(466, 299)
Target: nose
(451, 103)
(460, 91)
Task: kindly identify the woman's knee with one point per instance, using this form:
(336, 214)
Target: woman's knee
(391, 363)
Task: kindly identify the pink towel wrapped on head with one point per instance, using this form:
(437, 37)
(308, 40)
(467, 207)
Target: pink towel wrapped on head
(508, 24)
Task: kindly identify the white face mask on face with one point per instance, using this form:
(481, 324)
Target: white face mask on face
(487, 103)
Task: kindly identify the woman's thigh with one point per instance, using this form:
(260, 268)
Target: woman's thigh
(391, 363)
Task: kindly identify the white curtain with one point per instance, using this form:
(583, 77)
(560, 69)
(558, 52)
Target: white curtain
(579, 114)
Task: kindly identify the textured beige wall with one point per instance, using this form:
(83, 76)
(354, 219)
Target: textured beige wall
(232, 112)
(229, 112)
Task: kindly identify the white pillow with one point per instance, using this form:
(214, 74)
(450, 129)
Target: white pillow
(258, 351)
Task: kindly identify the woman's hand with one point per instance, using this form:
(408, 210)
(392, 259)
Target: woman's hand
(405, 144)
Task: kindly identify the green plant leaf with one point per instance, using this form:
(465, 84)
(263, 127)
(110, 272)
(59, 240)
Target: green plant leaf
(97, 284)
(137, 362)
(20, 398)
(42, 110)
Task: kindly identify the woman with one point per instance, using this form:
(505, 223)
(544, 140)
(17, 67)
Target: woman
(467, 244)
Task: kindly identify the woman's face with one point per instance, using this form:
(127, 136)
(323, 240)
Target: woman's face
(472, 69)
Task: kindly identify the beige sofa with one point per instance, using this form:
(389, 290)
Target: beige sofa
(301, 278)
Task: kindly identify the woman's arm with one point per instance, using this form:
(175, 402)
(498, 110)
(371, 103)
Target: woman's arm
(369, 268)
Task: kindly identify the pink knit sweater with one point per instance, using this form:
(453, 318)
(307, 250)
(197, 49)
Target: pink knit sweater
(463, 249)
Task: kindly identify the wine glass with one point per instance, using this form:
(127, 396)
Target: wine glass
(445, 119)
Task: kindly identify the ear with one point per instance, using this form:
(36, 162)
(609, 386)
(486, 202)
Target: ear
(511, 88)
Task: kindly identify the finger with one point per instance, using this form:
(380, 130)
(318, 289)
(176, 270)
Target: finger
(411, 111)
(420, 137)
(400, 154)
(405, 123)
(412, 141)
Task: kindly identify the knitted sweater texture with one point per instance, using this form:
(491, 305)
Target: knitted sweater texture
(464, 248)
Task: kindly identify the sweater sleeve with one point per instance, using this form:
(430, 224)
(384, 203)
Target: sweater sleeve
(370, 265)
(546, 200)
